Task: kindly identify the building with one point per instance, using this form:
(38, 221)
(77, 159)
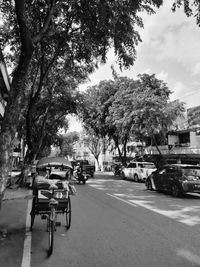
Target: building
(4, 86)
(184, 143)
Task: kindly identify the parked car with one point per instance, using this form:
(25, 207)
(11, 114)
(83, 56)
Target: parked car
(138, 171)
(177, 179)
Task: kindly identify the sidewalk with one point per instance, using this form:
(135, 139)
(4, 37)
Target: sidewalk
(12, 226)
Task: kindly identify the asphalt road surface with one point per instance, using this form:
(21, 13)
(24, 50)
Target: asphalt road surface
(120, 223)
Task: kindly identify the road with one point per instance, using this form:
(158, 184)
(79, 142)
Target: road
(120, 223)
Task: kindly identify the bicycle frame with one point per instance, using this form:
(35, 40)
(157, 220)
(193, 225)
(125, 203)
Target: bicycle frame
(51, 219)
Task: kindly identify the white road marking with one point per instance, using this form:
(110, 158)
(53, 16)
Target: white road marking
(181, 214)
(189, 256)
(127, 202)
(26, 258)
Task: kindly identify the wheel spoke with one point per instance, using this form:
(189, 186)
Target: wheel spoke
(51, 235)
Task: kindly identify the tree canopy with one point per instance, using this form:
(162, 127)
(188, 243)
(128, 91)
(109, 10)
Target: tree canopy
(130, 109)
(66, 143)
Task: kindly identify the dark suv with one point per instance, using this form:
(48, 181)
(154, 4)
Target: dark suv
(175, 178)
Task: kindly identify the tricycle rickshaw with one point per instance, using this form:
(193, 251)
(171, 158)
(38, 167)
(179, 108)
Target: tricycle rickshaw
(51, 193)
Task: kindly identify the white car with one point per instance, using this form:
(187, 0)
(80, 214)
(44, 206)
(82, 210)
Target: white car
(138, 171)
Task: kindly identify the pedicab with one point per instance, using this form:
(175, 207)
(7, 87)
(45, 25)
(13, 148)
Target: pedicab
(52, 189)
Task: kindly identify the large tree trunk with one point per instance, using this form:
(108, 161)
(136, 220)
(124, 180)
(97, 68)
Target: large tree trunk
(5, 148)
(18, 86)
(161, 160)
(11, 118)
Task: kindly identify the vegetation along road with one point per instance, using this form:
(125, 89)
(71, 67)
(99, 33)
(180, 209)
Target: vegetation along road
(120, 223)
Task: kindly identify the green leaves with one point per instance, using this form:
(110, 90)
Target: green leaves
(126, 109)
(191, 8)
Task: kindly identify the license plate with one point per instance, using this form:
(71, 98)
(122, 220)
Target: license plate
(61, 194)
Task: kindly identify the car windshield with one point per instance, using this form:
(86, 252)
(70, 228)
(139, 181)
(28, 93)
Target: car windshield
(54, 176)
(191, 171)
(149, 166)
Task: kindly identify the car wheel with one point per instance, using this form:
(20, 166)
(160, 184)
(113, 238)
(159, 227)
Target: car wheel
(136, 178)
(176, 192)
(149, 185)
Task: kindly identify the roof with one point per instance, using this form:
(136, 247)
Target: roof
(174, 132)
(53, 161)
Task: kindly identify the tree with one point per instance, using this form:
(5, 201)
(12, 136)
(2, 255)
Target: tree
(119, 110)
(96, 144)
(96, 113)
(66, 144)
(126, 109)
(143, 109)
(97, 100)
(83, 30)
(47, 112)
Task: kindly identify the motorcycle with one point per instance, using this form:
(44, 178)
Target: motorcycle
(80, 177)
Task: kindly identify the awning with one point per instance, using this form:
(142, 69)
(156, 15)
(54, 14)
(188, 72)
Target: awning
(53, 162)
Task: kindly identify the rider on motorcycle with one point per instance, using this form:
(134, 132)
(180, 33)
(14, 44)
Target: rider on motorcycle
(79, 172)
(78, 169)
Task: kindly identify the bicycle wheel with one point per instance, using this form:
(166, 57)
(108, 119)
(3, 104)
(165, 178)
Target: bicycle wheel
(68, 213)
(51, 235)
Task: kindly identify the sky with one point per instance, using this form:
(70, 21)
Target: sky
(170, 49)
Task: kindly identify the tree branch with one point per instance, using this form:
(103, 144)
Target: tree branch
(47, 22)
(26, 41)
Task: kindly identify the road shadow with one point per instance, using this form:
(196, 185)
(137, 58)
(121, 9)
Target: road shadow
(184, 196)
(106, 176)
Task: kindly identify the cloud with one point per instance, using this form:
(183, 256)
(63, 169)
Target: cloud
(162, 76)
(179, 91)
(196, 69)
(172, 36)
(148, 71)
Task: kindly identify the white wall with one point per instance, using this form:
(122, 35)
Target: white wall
(194, 139)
